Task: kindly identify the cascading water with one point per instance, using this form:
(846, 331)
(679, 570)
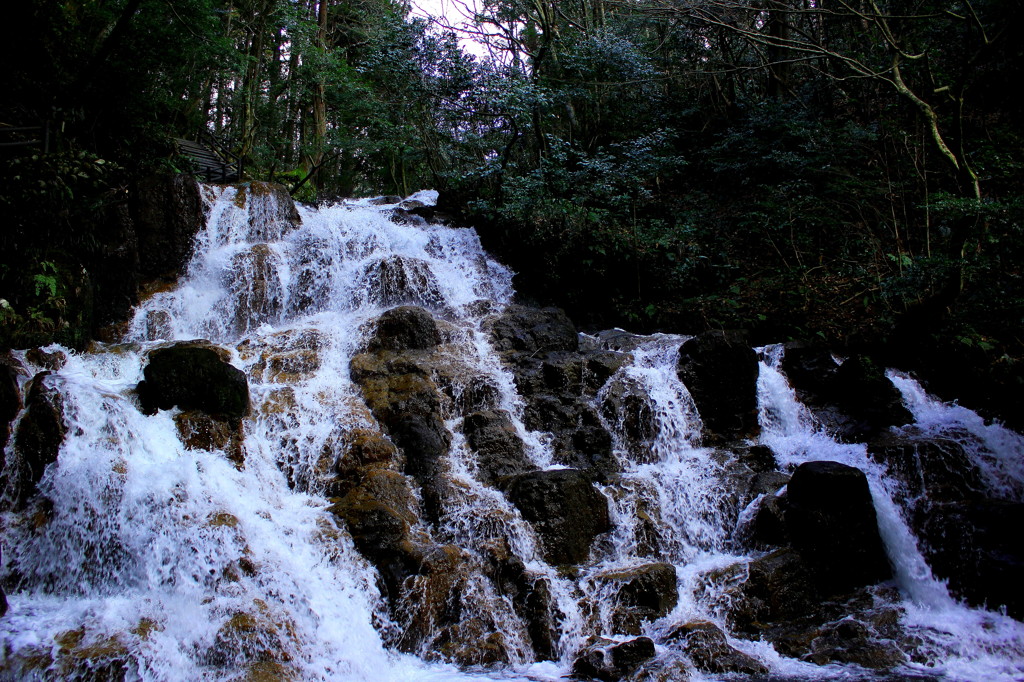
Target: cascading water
(301, 544)
(964, 643)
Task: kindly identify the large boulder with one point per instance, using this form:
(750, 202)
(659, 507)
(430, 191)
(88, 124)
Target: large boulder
(10, 401)
(40, 433)
(565, 509)
(499, 450)
(641, 594)
(720, 369)
(977, 547)
(194, 375)
(530, 330)
(610, 661)
(831, 522)
(854, 400)
(167, 211)
(404, 328)
(706, 646)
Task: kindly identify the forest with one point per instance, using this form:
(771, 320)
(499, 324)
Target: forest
(847, 171)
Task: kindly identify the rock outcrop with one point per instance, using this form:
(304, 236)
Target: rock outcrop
(194, 375)
(720, 371)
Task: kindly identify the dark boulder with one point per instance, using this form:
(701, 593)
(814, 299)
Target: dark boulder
(566, 510)
(499, 450)
(852, 641)
(194, 375)
(54, 361)
(167, 211)
(10, 401)
(777, 587)
(40, 433)
(831, 522)
(200, 431)
(642, 594)
(929, 470)
(706, 646)
(609, 661)
(977, 547)
(720, 370)
(404, 328)
(531, 330)
(855, 400)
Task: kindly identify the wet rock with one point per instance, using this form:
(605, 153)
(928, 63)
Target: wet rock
(251, 636)
(529, 594)
(767, 527)
(720, 371)
(707, 647)
(385, 200)
(167, 211)
(627, 408)
(831, 522)
(566, 510)
(254, 280)
(200, 431)
(158, 325)
(855, 401)
(10, 401)
(609, 662)
(472, 642)
(396, 280)
(193, 375)
(272, 211)
(929, 469)
(852, 641)
(404, 328)
(40, 433)
(379, 512)
(642, 594)
(978, 548)
(533, 330)
(52, 361)
(776, 587)
(499, 450)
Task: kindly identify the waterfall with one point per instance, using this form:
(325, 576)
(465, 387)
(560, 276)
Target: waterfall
(310, 539)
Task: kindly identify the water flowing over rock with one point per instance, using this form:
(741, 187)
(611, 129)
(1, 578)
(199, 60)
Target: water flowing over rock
(374, 465)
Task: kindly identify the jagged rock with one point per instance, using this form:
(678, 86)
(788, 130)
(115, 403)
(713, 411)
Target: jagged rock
(852, 641)
(609, 662)
(52, 361)
(627, 408)
(777, 587)
(559, 382)
(499, 450)
(531, 330)
(167, 211)
(404, 328)
(471, 642)
(254, 280)
(399, 280)
(379, 512)
(642, 594)
(855, 401)
(10, 401)
(275, 211)
(529, 594)
(720, 371)
(200, 431)
(831, 522)
(929, 469)
(193, 375)
(707, 647)
(566, 510)
(252, 636)
(40, 433)
(977, 547)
